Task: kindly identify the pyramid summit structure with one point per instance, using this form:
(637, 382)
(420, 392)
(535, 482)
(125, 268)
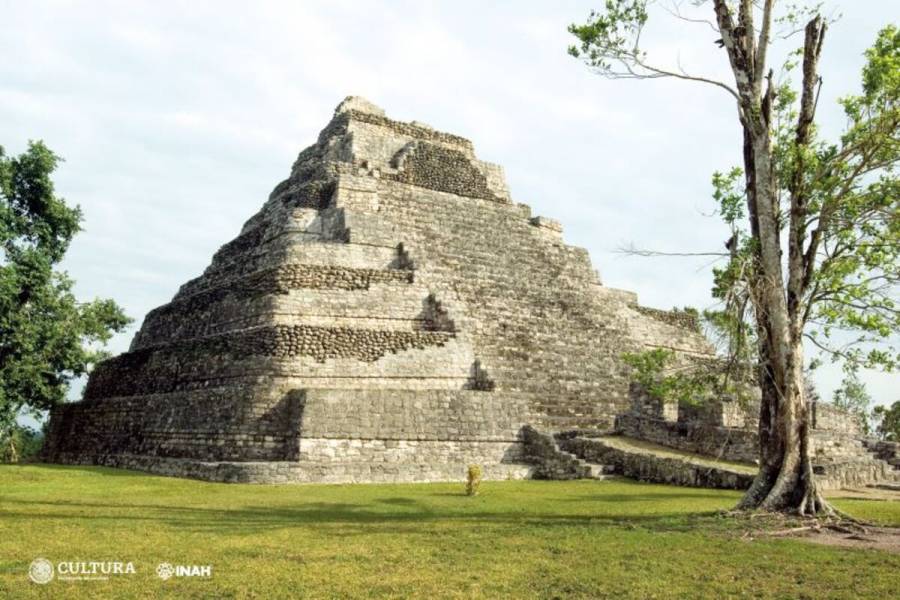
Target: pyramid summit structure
(389, 314)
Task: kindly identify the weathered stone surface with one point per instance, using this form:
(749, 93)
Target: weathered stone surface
(723, 430)
(389, 314)
(647, 466)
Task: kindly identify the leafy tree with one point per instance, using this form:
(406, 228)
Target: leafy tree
(18, 443)
(815, 236)
(888, 421)
(853, 397)
(47, 337)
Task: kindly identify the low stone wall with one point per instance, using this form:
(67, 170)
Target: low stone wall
(721, 412)
(326, 435)
(855, 473)
(727, 443)
(294, 472)
(827, 417)
(885, 450)
(656, 469)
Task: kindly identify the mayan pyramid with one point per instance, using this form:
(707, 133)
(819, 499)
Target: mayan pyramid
(390, 314)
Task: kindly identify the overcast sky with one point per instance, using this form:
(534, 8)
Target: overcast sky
(176, 119)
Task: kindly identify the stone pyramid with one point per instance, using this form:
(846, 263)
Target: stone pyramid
(388, 315)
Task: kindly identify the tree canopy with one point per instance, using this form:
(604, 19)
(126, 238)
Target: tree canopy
(814, 232)
(47, 337)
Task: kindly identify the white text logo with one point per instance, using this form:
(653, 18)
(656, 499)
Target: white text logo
(167, 571)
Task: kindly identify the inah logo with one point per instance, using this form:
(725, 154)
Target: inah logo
(165, 571)
(41, 570)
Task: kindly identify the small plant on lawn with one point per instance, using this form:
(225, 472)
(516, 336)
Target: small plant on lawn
(473, 480)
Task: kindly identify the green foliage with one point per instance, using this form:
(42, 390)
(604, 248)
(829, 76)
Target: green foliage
(46, 335)
(648, 367)
(888, 421)
(851, 190)
(657, 374)
(19, 444)
(473, 480)
(881, 74)
(853, 397)
(728, 192)
(848, 189)
(610, 35)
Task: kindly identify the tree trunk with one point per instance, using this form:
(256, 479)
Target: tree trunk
(13, 453)
(785, 481)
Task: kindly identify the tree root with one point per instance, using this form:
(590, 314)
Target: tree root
(764, 523)
(793, 530)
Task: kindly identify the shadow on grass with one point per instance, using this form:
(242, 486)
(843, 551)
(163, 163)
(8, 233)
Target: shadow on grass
(362, 519)
(367, 513)
(656, 497)
(92, 469)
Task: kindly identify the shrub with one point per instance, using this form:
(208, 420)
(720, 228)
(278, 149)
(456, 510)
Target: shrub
(473, 480)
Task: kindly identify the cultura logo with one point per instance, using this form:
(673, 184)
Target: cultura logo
(41, 570)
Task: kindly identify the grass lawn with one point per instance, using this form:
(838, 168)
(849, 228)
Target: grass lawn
(518, 539)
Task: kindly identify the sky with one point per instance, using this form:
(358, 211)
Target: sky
(176, 119)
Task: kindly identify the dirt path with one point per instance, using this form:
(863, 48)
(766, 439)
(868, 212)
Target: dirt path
(837, 533)
(868, 493)
(873, 538)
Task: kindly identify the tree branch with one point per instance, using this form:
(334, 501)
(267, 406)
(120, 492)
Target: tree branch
(630, 250)
(762, 46)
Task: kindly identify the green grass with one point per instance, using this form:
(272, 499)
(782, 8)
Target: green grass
(517, 539)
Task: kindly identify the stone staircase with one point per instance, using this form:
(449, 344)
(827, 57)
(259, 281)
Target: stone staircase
(645, 461)
(840, 461)
(884, 450)
(846, 461)
(553, 462)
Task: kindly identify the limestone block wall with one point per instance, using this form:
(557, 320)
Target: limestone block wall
(389, 314)
(827, 417)
(541, 321)
(225, 423)
(645, 466)
(728, 443)
(840, 456)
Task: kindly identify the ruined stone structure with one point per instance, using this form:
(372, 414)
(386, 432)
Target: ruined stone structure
(715, 444)
(390, 314)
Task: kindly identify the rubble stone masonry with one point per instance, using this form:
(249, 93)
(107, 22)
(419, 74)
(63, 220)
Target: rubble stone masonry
(390, 314)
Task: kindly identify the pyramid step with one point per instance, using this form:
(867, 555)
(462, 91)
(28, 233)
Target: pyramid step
(286, 254)
(356, 256)
(386, 298)
(355, 357)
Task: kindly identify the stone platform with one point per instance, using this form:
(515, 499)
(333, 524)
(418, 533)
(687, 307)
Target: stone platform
(389, 314)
